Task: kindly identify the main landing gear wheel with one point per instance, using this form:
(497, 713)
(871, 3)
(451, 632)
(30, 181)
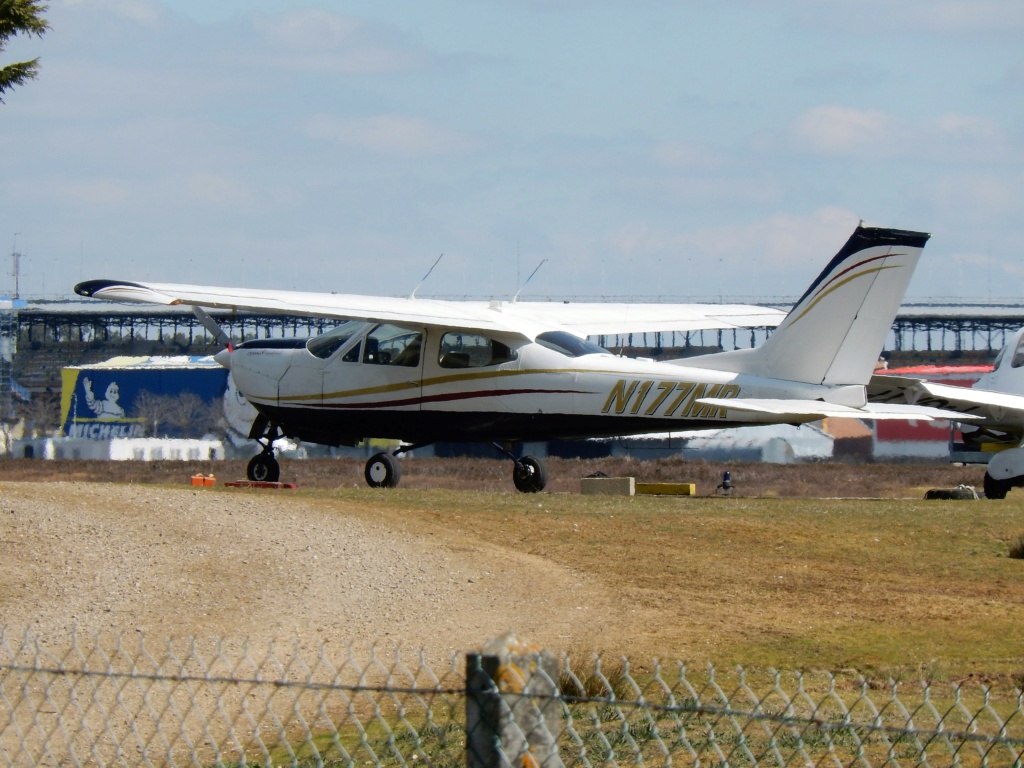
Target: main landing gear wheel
(529, 475)
(263, 468)
(382, 471)
(996, 489)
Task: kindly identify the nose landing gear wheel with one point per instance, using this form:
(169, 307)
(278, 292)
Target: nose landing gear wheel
(529, 475)
(263, 468)
(382, 471)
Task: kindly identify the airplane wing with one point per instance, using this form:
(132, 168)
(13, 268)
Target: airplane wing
(597, 319)
(526, 319)
(821, 410)
(996, 407)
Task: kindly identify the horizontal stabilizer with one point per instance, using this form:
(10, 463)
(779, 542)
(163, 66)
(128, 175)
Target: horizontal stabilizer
(802, 409)
(884, 388)
(1000, 410)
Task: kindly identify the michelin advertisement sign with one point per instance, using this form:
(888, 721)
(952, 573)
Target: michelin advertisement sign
(98, 401)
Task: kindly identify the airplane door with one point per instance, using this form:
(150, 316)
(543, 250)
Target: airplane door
(374, 387)
(470, 381)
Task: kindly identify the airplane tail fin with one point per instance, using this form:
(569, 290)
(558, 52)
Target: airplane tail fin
(836, 331)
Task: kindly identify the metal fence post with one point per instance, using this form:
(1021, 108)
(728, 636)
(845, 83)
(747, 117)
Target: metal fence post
(513, 713)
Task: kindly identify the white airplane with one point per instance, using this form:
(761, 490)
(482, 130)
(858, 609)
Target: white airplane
(421, 371)
(996, 434)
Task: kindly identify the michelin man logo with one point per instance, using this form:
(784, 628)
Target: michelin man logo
(108, 407)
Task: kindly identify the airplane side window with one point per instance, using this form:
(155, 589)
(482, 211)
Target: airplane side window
(352, 356)
(391, 345)
(471, 350)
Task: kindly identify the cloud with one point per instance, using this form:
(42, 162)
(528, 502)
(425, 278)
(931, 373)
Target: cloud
(981, 196)
(833, 130)
(321, 42)
(142, 11)
(851, 132)
(214, 189)
(846, 75)
(956, 17)
(956, 126)
(101, 192)
(780, 241)
(308, 29)
(972, 15)
(388, 135)
(676, 154)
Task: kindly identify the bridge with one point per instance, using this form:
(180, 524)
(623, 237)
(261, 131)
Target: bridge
(51, 335)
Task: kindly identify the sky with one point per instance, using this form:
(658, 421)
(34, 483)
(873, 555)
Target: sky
(642, 149)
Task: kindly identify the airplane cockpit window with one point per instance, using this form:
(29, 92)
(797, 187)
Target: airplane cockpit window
(391, 345)
(326, 344)
(569, 345)
(471, 350)
(1018, 355)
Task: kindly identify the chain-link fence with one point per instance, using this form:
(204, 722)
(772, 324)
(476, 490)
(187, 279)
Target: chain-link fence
(125, 700)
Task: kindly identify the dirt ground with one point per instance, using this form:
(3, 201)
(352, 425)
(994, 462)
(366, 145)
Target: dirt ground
(170, 562)
(127, 547)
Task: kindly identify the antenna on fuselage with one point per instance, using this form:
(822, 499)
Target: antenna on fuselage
(516, 297)
(421, 282)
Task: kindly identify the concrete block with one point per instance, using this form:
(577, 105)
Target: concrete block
(609, 486)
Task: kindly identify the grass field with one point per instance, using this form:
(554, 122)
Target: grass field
(775, 575)
(890, 586)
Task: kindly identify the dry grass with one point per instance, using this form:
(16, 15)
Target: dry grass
(789, 583)
(749, 479)
(894, 584)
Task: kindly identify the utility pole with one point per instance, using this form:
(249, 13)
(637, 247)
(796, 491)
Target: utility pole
(16, 267)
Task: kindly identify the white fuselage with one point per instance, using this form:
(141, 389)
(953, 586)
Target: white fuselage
(541, 392)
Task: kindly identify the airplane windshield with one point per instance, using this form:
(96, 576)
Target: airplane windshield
(569, 345)
(1018, 355)
(326, 344)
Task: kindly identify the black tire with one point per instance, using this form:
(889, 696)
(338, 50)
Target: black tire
(996, 489)
(382, 471)
(960, 493)
(529, 475)
(263, 468)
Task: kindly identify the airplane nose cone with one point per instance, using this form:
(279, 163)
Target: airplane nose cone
(224, 358)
